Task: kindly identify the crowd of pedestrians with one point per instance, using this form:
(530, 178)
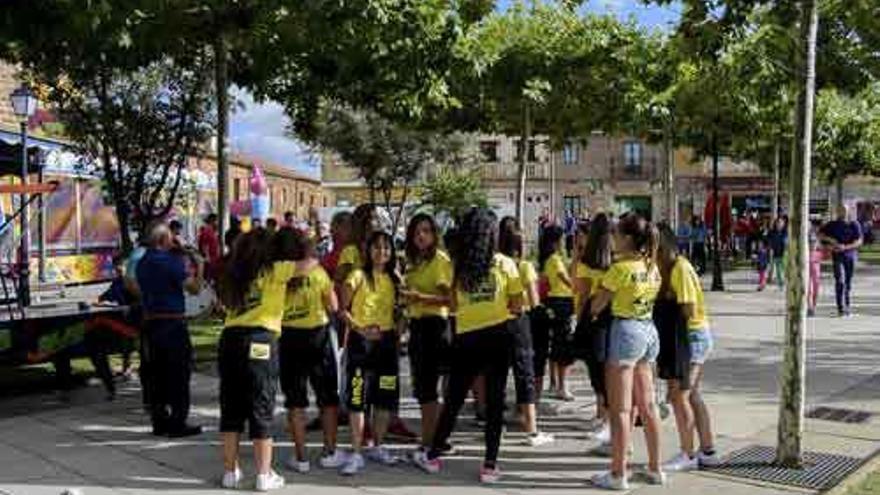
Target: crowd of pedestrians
(330, 315)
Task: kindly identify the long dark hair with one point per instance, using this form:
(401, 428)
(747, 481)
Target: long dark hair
(251, 255)
(475, 251)
(598, 252)
(413, 255)
(667, 254)
(390, 267)
(510, 239)
(291, 244)
(643, 234)
(361, 224)
(548, 244)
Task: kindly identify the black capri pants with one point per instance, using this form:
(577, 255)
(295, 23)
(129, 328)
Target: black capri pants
(539, 326)
(523, 359)
(248, 363)
(590, 343)
(430, 338)
(372, 371)
(560, 311)
(307, 356)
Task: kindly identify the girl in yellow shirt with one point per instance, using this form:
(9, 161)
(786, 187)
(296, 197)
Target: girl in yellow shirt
(487, 295)
(368, 298)
(630, 287)
(307, 353)
(591, 334)
(427, 295)
(252, 288)
(560, 308)
(683, 351)
(510, 244)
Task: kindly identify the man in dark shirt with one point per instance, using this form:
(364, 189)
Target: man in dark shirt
(845, 238)
(162, 279)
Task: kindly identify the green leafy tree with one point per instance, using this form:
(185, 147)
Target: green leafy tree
(450, 192)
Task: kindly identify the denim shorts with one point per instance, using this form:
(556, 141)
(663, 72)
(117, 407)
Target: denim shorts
(701, 345)
(632, 341)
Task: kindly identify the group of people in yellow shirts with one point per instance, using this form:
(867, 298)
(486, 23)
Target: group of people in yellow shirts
(474, 307)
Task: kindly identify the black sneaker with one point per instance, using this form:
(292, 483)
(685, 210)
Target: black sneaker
(185, 431)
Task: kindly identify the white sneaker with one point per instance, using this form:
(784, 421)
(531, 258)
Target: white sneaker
(538, 439)
(430, 466)
(681, 463)
(708, 460)
(269, 481)
(334, 460)
(298, 466)
(231, 479)
(602, 435)
(381, 455)
(353, 465)
(489, 476)
(655, 477)
(608, 481)
(565, 396)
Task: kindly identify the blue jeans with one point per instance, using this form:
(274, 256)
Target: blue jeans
(844, 264)
(701, 344)
(631, 341)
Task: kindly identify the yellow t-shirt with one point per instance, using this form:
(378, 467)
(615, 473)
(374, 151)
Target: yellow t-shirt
(306, 296)
(528, 276)
(350, 255)
(488, 305)
(635, 288)
(580, 272)
(264, 304)
(428, 278)
(554, 267)
(371, 304)
(685, 283)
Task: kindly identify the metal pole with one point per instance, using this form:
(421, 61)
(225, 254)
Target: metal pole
(221, 81)
(717, 273)
(25, 249)
(41, 230)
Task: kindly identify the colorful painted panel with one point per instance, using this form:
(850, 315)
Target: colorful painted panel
(60, 215)
(76, 268)
(99, 225)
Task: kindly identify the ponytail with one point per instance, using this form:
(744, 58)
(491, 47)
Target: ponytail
(652, 243)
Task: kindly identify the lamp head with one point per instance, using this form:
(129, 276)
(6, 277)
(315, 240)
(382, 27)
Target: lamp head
(24, 102)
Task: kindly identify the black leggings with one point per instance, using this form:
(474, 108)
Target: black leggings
(485, 351)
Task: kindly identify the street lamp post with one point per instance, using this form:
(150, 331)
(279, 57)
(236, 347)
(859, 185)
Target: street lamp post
(717, 271)
(24, 104)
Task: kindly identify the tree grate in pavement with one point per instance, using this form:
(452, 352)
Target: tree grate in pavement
(821, 471)
(840, 415)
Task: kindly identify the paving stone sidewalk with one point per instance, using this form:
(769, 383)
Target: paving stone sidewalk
(49, 444)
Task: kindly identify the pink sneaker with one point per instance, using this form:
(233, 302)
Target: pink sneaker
(489, 475)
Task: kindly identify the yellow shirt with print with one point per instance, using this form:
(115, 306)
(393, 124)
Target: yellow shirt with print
(488, 305)
(554, 267)
(350, 255)
(685, 283)
(371, 304)
(429, 278)
(528, 276)
(635, 286)
(264, 304)
(306, 296)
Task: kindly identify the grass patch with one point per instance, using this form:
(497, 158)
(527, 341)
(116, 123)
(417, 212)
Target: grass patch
(869, 486)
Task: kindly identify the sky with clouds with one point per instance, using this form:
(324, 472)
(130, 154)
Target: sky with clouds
(260, 129)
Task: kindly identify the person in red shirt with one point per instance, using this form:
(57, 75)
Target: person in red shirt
(209, 245)
(340, 232)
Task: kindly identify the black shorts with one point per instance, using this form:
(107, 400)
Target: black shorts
(307, 356)
(372, 372)
(591, 341)
(523, 360)
(561, 311)
(430, 339)
(539, 324)
(248, 363)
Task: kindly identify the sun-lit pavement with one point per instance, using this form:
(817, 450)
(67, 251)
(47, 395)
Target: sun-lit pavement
(104, 448)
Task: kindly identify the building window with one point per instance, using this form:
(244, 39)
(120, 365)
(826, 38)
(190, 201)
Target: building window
(489, 149)
(325, 201)
(284, 197)
(302, 198)
(312, 200)
(572, 204)
(632, 154)
(533, 157)
(531, 171)
(571, 153)
(236, 189)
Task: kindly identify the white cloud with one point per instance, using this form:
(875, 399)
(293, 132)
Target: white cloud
(260, 129)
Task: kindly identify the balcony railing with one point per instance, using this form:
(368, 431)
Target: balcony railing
(644, 171)
(507, 171)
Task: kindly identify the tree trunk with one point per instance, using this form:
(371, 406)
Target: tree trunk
(669, 181)
(221, 82)
(521, 171)
(789, 448)
(774, 206)
(838, 193)
(717, 269)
